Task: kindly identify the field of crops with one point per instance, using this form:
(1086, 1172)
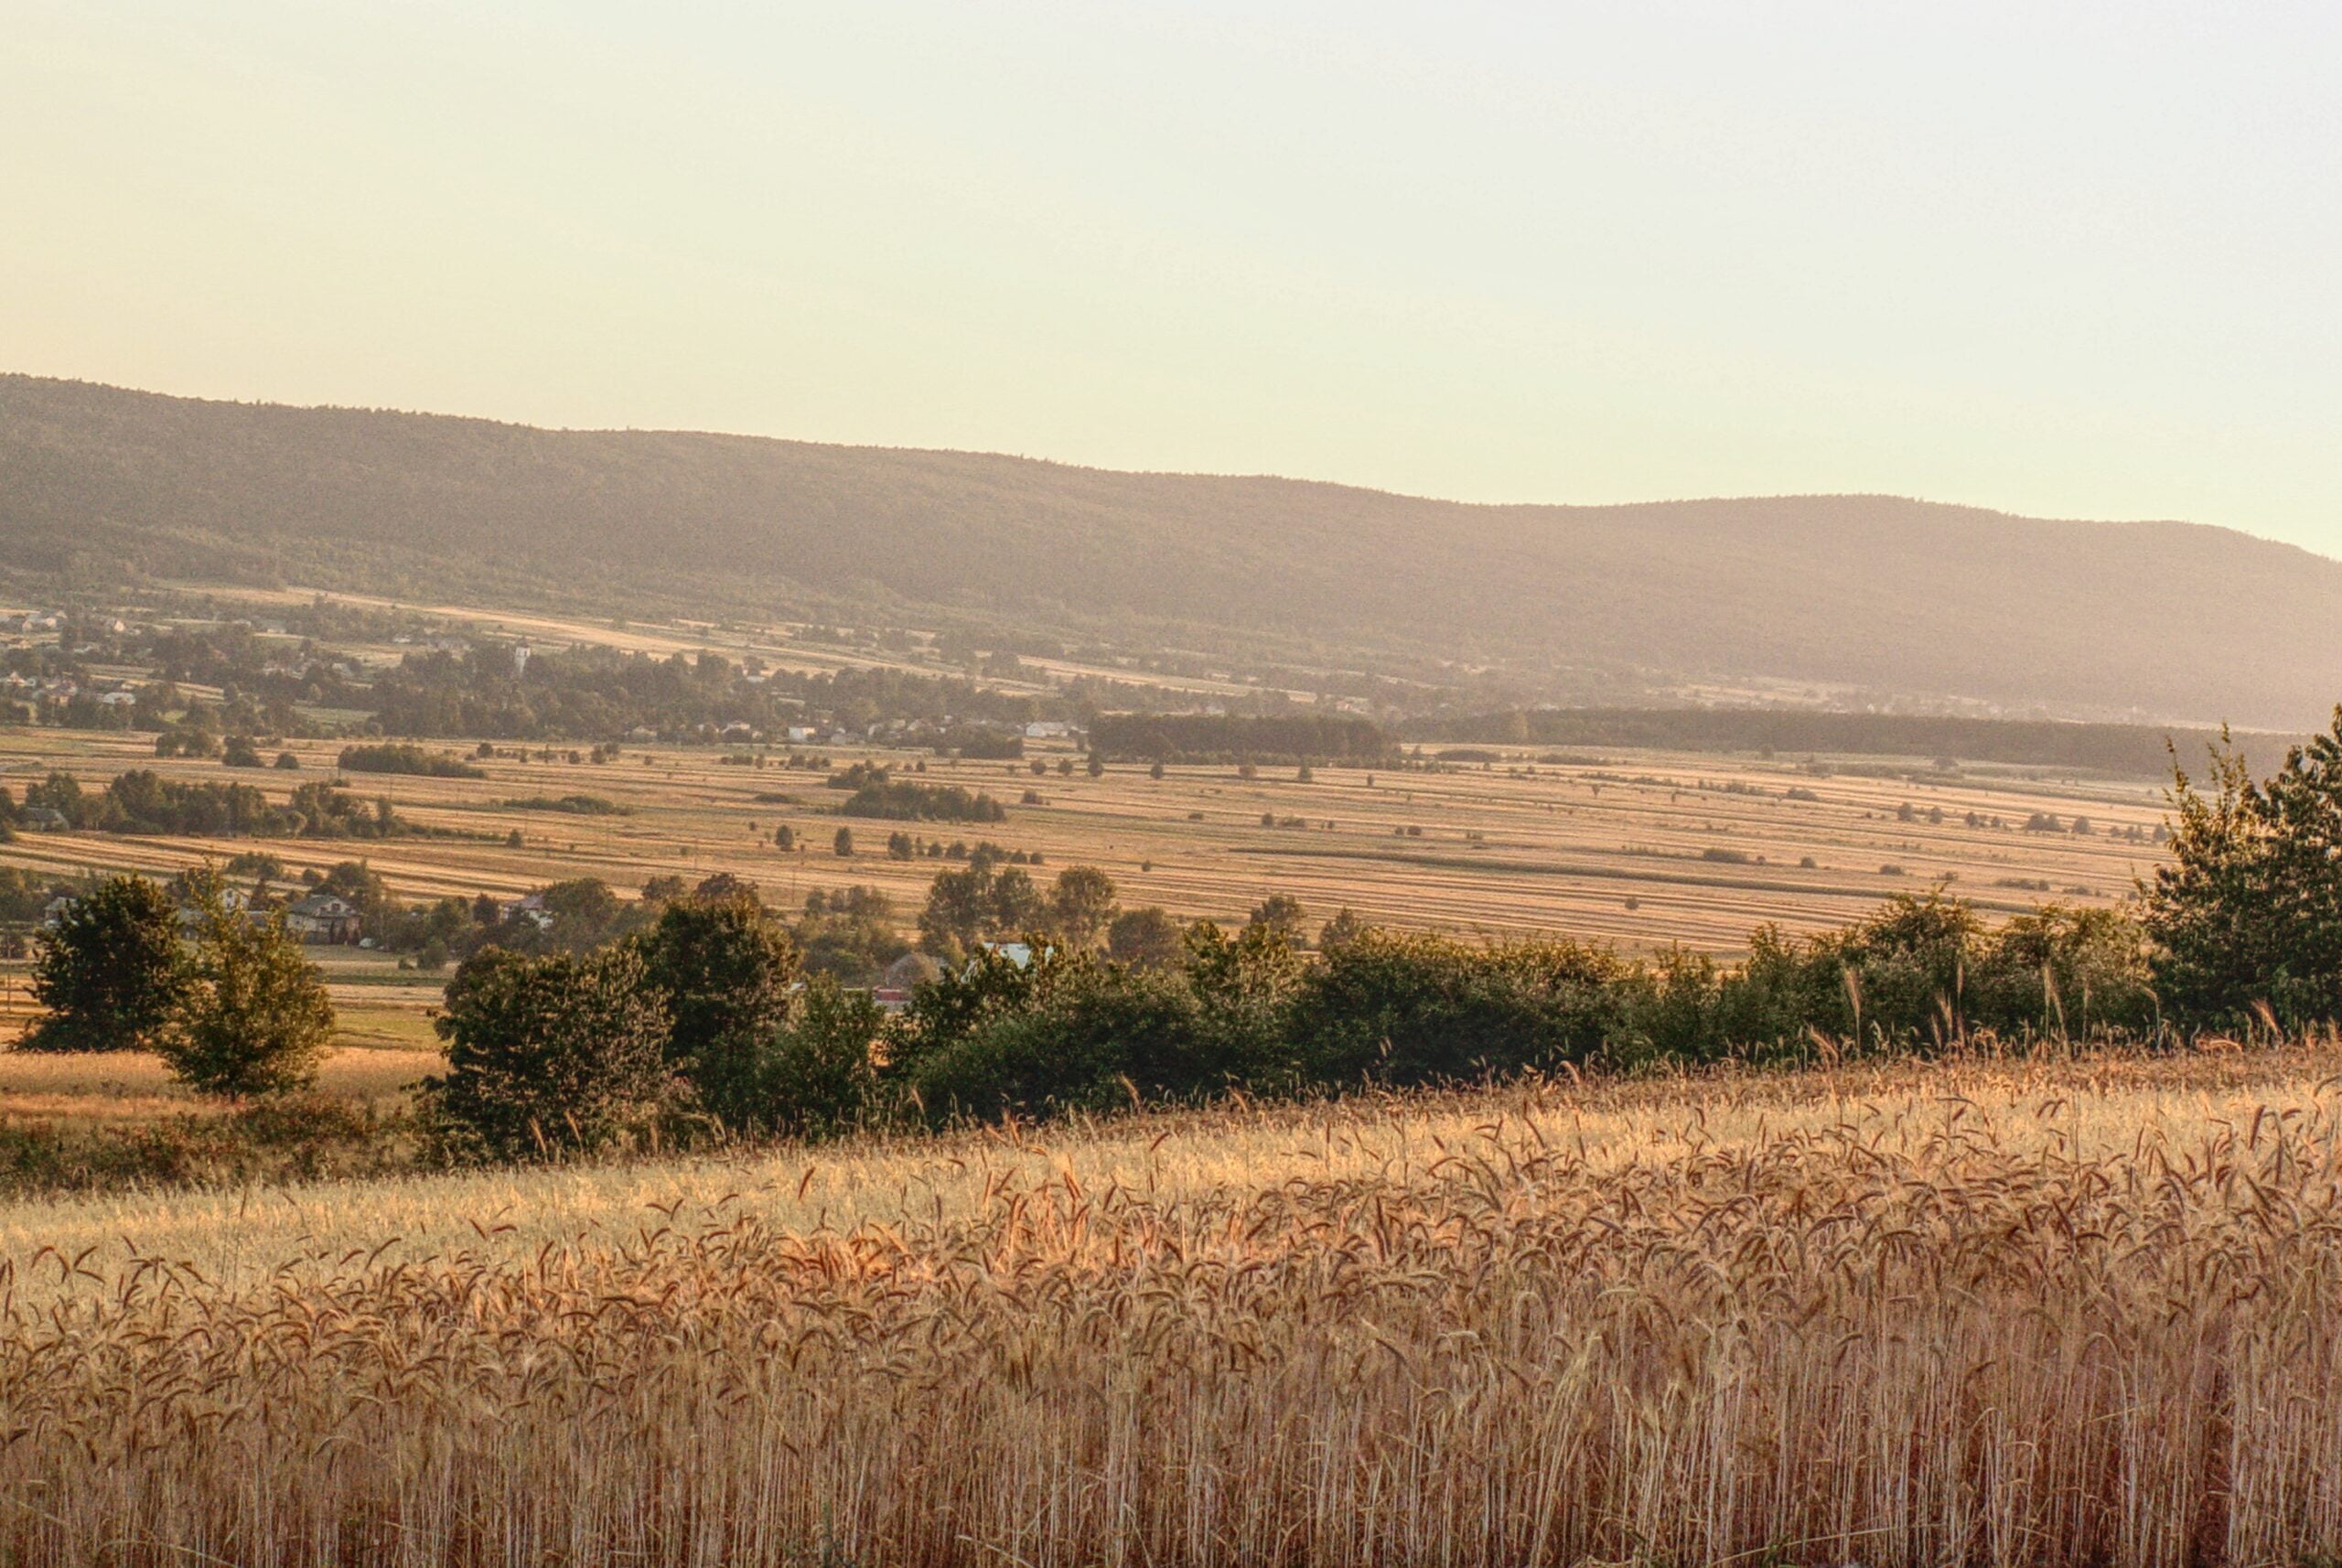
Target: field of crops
(1642, 849)
(2070, 1312)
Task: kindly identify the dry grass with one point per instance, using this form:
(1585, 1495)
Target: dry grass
(132, 1086)
(2063, 1312)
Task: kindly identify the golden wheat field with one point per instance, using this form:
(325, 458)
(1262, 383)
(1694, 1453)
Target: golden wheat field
(2075, 1311)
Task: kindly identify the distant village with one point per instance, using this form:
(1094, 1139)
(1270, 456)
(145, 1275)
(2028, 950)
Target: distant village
(326, 670)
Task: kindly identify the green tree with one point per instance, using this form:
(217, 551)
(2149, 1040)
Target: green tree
(1347, 926)
(1017, 904)
(548, 1055)
(958, 905)
(112, 975)
(62, 794)
(842, 845)
(1146, 939)
(1281, 913)
(586, 910)
(1081, 905)
(721, 968)
(256, 1018)
(986, 901)
(2249, 909)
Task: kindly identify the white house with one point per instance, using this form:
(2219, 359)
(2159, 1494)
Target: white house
(322, 918)
(531, 908)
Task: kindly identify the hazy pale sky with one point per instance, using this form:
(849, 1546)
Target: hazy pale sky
(2071, 260)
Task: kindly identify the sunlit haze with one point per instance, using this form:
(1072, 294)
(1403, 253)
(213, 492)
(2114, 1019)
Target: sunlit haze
(2074, 260)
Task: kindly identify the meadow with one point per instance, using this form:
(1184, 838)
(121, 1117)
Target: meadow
(2072, 1310)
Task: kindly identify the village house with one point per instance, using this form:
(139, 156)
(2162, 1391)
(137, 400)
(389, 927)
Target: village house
(901, 978)
(531, 908)
(321, 918)
(42, 820)
(234, 900)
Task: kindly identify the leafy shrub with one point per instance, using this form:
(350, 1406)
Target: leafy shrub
(1404, 1008)
(548, 1055)
(1093, 1036)
(819, 1077)
(2061, 970)
(1072, 1031)
(1899, 972)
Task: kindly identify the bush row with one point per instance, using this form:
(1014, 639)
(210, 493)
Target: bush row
(701, 1024)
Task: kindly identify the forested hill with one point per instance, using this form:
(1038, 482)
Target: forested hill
(2176, 622)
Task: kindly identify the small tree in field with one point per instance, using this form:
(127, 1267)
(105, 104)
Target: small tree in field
(256, 1018)
(112, 972)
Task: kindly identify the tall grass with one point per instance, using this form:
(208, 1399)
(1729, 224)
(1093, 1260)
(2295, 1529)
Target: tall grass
(2073, 1314)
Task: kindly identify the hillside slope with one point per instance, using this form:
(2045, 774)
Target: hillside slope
(2171, 620)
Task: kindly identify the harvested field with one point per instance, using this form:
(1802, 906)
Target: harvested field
(1643, 849)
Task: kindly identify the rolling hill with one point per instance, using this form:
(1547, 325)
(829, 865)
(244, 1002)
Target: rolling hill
(2166, 620)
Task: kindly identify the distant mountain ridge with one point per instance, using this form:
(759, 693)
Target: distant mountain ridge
(2167, 620)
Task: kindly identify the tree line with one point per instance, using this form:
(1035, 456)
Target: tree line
(141, 801)
(2136, 750)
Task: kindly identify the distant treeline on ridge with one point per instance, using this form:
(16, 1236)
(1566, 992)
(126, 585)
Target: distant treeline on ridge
(2142, 750)
(1230, 738)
